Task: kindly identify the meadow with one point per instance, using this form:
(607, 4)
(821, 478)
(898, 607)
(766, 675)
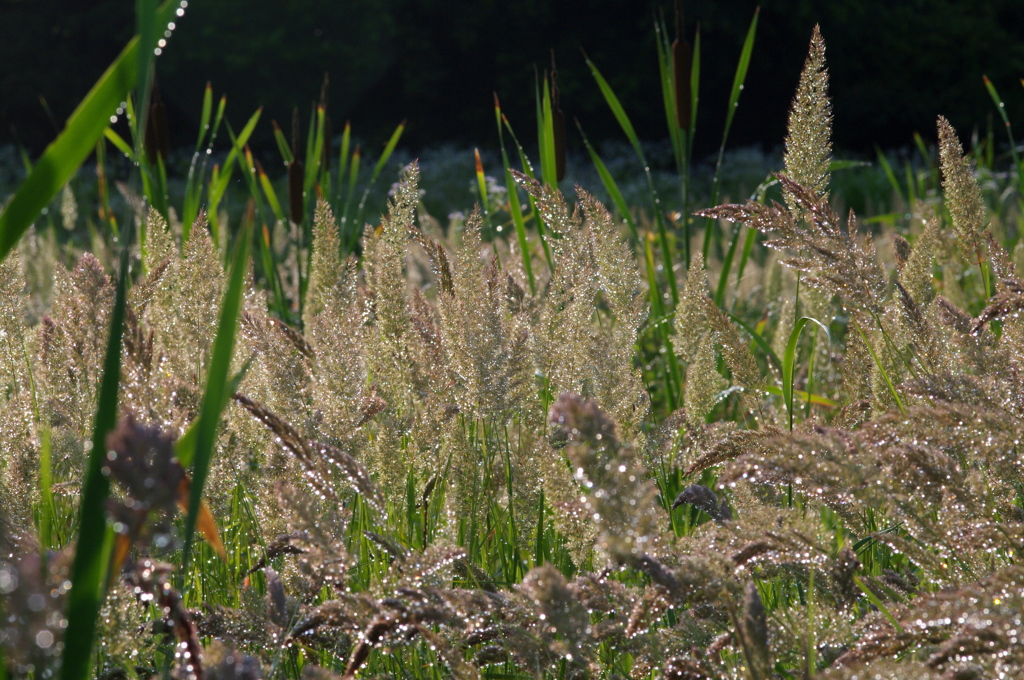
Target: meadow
(741, 418)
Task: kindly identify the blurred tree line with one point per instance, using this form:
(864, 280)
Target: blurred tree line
(895, 65)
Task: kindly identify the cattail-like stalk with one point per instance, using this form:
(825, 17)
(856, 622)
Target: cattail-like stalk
(296, 200)
(156, 141)
(328, 135)
(296, 176)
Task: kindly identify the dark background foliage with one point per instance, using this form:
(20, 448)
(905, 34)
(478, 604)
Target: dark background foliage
(895, 65)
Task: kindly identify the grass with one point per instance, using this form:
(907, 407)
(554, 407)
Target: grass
(534, 441)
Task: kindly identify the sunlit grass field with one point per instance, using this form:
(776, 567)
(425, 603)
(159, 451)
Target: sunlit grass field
(624, 413)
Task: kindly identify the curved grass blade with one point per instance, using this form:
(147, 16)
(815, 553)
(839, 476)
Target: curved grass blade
(811, 398)
(513, 202)
(219, 185)
(891, 176)
(877, 602)
(758, 340)
(195, 181)
(616, 106)
(627, 127)
(528, 170)
(885, 374)
(610, 186)
(93, 546)
(381, 162)
(789, 361)
(734, 99)
(216, 394)
(65, 154)
(1001, 108)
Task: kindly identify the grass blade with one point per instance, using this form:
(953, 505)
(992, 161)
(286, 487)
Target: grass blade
(616, 106)
(204, 117)
(734, 100)
(534, 213)
(47, 509)
(546, 138)
(65, 154)
(877, 602)
(93, 545)
(219, 185)
(627, 127)
(891, 176)
(388, 150)
(885, 374)
(346, 140)
(513, 202)
(215, 394)
(282, 144)
(1001, 108)
(481, 184)
(759, 341)
(789, 361)
(610, 186)
(381, 162)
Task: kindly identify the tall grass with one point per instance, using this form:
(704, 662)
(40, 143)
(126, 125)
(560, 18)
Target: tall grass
(426, 453)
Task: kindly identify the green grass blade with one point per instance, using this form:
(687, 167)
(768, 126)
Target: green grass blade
(741, 73)
(204, 117)
(481, 184)
(534, 213)
(282, 144)
(88, 572)
(734, 99)
(616, 106)
(268, 190)
(346, 141)
(802, 395)
(890, 175)
(314, 161)
(513, 202)
(748, 247)
(350, 236)
(216, 393)
(723, 277)
(47, 508)
(218, 188)
(1001, 108)
(389, 148)
(877, 602)
(194, 182)
(789, 361)
(885, 374)
(381, 162)
(627, 127)
(759, 341)
(64, 155)
(119, 143)
(546, 141)
(219, 184)
(610, 185)
(668, 100)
